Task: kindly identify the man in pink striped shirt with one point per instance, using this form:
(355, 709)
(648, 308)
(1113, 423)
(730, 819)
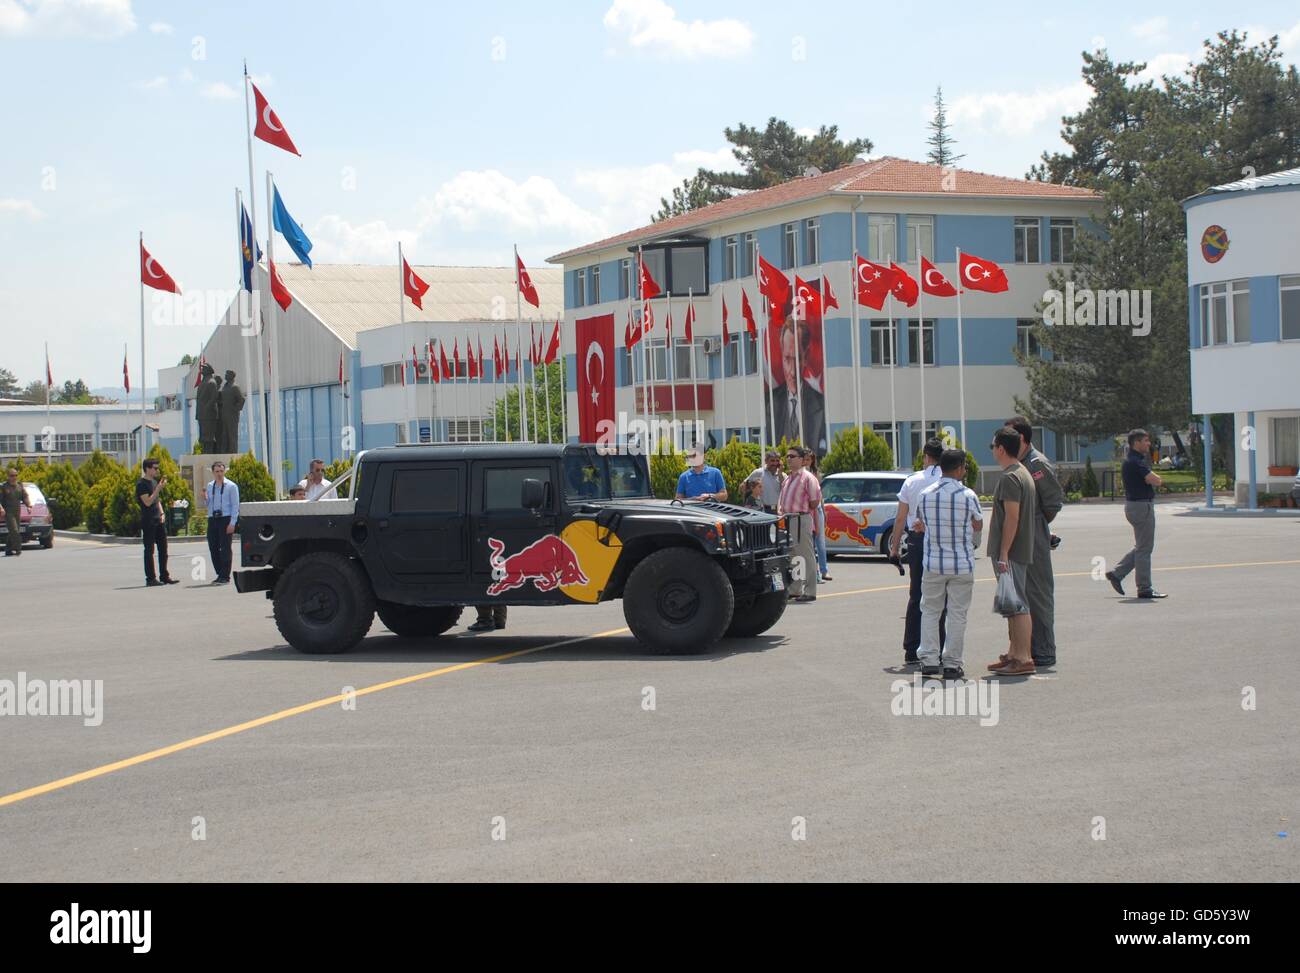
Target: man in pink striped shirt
(801, 495)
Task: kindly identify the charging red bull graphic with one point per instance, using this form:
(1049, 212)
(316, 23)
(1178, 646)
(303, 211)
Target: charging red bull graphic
(838, 523)
(548, 563)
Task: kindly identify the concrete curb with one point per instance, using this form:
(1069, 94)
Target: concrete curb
(1204, 511)
(77, 535)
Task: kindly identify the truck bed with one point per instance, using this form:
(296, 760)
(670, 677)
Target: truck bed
(298, 508)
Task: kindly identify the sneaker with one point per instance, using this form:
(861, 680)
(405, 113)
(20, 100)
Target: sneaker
(1115, 583)
(1152, 593)
(932, 671)
(957, 673)
(827, 577)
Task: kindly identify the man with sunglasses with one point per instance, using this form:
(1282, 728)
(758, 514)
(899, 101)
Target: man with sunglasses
(801, 495)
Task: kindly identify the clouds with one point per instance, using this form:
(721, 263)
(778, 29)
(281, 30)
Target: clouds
(1153, 30)
(158, 27)
(335, 240)
(103, 19)
(653, 27)
(476, 200)
(218, 91)
(1015, 113)
(19, 210)
(1159, 65)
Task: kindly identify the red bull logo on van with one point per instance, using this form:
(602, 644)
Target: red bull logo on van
(839, 523)
(548, 563)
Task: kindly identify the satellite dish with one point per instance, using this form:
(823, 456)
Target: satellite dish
(810, 171)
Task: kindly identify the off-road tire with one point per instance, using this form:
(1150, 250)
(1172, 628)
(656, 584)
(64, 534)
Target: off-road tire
(756, 615)
(417, 622)
(678, 601)
(324, 603)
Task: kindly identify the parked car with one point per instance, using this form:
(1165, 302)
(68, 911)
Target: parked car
(860, 511)
(1295, 488)
(36, 523)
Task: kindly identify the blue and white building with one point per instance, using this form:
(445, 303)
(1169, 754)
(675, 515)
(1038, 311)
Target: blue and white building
(1243, 279)
(885, 209)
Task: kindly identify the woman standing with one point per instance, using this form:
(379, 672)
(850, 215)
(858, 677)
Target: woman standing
(820, 539)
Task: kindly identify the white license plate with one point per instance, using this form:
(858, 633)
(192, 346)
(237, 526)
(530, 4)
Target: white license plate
(778, 583)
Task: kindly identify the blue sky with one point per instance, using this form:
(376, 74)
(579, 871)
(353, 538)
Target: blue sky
(464, 130)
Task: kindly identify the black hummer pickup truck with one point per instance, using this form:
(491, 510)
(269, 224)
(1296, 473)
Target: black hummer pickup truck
(431, 529)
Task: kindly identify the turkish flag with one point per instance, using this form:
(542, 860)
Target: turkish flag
(198, 372)
(49, 375)
(904, 288)
(415, 365)
(553, 349)
(126, 374)
(688, 329)
(532, 344)
(269, 128)
(481, 367)
(648, 320)
(447, 373)
(747, 313)
(631, 335)
(152, 274)
(497, 366)
(595, 344)
(982, 275)
(526, 287)
(933, 282)
(874, 282)
(340, 368)
(668, 323)
(726, 338)
(808, 300)
(828, 298)
(773, 285)
(413, 286)
(430, 361)
(469, 357)
(278, 290)
(649, 288)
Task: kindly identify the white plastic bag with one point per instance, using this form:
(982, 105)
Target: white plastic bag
(1006, 600)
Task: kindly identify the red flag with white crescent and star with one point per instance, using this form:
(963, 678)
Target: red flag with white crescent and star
(632, 332)
(726, 338)
(828, 295)
(152, 274)
(268, 127)
(49, 375)
(978, 274)
(278, 290)
(595, 344)
(649, 288)
(772, 284)
(431, 361)
(198, 372)
(747, 312)
(904, 287)
(526, 287)
(873, 283)
(481, 369)
(415, 365)
(688, 331)
(934, 282)
(497, 360)
(126, 374)
(412, 285)
(553, 349)
(808, 303)
(447, 373)
(469, 358)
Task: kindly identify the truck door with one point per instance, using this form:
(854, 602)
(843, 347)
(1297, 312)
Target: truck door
(504, 528)
(421, 519)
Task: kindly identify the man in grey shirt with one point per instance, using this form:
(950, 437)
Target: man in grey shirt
(762, 488)
(1040, 584)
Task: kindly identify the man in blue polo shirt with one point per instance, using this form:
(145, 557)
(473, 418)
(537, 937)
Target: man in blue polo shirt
(700, 482)
(1140, 484)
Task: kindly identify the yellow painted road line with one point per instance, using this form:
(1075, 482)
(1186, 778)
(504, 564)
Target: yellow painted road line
(283, 714)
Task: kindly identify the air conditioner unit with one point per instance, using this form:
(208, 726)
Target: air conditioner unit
(712, 346)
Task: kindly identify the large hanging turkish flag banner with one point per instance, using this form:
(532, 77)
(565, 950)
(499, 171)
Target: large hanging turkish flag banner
(595, 345)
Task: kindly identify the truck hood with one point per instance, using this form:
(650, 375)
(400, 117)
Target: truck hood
(705, 513)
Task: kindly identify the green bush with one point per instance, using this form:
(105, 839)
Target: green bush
(1090, 486)
(252, 477)
(665, 468)
(66, 492)
(97, 466)
(335, 472)
(844, 457)
(1073, 497)
(177, 488)
(735, 460)
(951, 442)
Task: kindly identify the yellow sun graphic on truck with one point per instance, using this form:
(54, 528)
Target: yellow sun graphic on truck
(598, 551)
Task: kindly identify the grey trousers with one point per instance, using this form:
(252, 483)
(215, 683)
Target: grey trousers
(1142, 515)
(1040, 592)
(939, 592)
(802, 537)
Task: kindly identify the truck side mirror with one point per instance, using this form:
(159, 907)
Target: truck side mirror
(532, 495)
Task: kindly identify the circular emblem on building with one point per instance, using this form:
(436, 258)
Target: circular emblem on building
(1214, 243)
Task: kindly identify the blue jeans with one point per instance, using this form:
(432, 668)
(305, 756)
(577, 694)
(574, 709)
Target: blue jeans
(819, 543)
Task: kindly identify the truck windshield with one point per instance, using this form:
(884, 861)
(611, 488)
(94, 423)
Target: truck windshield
(589, 475)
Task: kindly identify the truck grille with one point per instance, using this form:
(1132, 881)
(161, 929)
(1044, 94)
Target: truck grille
(758, 537)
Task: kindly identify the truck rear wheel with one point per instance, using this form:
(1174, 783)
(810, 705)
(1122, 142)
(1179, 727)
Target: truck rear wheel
(417, 622)
(755, 616)
(324, 603)
(678, 601)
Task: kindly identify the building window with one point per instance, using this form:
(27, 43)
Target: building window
(658, 354)
(917, 441)
(1225, 313)
(753, 434)
(79, 442)
(1290, 308)
(730, 251)
(465, 430)
(624, 278)
(688, 271)
(595, 284)
(13, 444)
(682, 360)
(789, 246)
(920, 228)
(886, 432)
(1285, 446)
(654, 265)
(882, 348)
(1026, 340)
(1027, 249)
(393, 373)
(1068, 446)
(115, 442)
(812, 253)
(913, 357)
(1061, 240)
(741, 344)
(579, 287)
(882, 239)
(750, 253)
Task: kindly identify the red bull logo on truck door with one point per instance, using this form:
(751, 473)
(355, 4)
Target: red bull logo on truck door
(838, 523)
(548, 563)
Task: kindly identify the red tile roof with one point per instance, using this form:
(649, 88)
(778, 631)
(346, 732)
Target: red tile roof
(887, 176)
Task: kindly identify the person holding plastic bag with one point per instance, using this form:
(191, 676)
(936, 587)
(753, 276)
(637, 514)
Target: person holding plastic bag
(1011, 548)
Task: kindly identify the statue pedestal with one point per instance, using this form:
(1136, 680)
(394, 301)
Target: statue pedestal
(197, 471)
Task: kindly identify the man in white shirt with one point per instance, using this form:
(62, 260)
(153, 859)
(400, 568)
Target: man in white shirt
(315, 483)
(907, 499)
(950, 513)
(223, 514)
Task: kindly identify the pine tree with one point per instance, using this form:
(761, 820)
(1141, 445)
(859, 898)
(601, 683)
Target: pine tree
(941, 143)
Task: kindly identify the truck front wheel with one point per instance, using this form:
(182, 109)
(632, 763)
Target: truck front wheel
(756, 615)
(416, 622)
(324, 603)
(678, 601)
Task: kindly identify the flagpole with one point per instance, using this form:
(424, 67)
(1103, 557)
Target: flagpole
(823, 287)
(795, 308)
(695, 389)
(49, 380)
(401, 316)
(893, 358)
(644, 341)
(670, 358)
(564, 386)
(252, 232)
(546, 379)
(519, 335)
(854, 318)
(248, 371)
(532, 360)
(744, 360)
(961, 359)
(920, 337)
(430, 363)
(277, 431)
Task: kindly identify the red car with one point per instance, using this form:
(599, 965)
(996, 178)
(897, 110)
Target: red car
(37, 525)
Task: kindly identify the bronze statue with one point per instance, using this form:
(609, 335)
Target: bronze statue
(232, 404)
(206, 409)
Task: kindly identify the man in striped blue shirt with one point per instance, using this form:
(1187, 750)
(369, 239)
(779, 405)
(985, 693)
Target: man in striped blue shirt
(223, 517)
(950, 520)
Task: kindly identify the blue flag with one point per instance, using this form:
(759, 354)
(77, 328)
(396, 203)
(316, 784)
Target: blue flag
(290, 230)
(247, 245)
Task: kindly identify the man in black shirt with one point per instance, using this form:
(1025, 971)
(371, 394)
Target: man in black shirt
(1140, 484)
(152, 530)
